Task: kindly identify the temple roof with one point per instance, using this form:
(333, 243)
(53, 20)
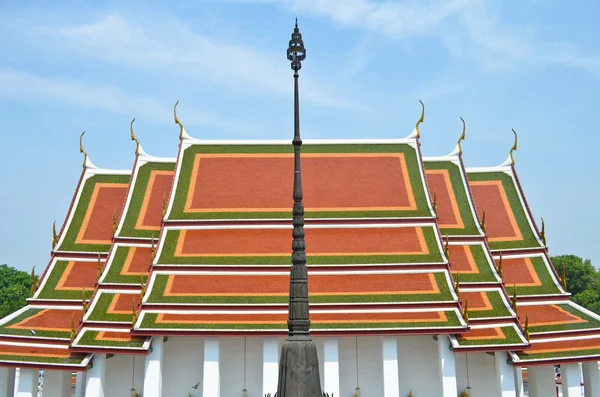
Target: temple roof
(381, 179)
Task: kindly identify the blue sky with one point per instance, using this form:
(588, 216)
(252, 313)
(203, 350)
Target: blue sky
(532, 65)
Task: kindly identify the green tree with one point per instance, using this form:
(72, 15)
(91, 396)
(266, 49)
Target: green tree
(582, 278)
(15, 288)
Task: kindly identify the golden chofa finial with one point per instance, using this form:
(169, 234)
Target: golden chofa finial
(466, 310)
(514, 298)
(422, 119)
(499, 268)
(526, 328)
(54, 236)
(463, 136)
(543, 232)
(457, 285)
(177, 121)
(482, 222)
(73, 330)
(133, 138)
(512, 159)
(434, 204)
(82, 150)
(447, 249)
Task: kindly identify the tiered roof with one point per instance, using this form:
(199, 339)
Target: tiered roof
(396, 245)
(493, 322)
(39, 334)
(560, 330)
(106, 325)
(375, 260)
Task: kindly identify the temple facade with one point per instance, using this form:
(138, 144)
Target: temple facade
(426, 278)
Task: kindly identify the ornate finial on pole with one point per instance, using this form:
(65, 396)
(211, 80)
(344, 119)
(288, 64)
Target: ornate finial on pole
(299, 365)
(463, 136)
(543, 232)
(514, 147)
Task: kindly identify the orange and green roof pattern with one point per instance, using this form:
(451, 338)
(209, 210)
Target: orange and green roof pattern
(507, 221)
(488, 303)
(149, 194)
(20, 354)
(531, 274)
(91, 223)
(127, 264)
(322, 321)
(447, 186)
(563, 349)
(339, 181)
(471, 263)
(552, 318)
(70, 280)
(490, 337)
(328, 245)
(51, 323)
(101, 339)
(272, 288)
(113, 307)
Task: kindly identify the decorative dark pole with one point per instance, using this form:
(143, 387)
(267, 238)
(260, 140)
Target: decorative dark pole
(298, 365)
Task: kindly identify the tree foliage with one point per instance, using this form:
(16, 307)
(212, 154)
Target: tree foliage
(15, 288)
(583, 280)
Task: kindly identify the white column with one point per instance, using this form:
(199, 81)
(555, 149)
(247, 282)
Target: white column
(95, 377)
(591, 378)
(57, 383)
(28, 383)
(389, 348)
(270, 366)
(571, 380)
(211, 381)
(7, 382)
(80, 384)
(519, 382)
(447, 368)
(331, 367)
(541, 381)
(153, 369)
(505, 375)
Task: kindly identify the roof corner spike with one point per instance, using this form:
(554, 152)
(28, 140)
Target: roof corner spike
(82, 150)
(133, 138)
(543, 233)
(514, 299)
(463, 136)
(181, 129)
(514, 147)
(482, 222)
(54, 236)
(421, 119)
(526, 328)
(466, 310)
(499, 268)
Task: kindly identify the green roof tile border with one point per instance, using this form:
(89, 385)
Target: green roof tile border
(147, 322)
(176, 212)
(512, 333)
(135, 199)
(517, 205)
(77, 360)
(522, 357)
(115, 263)
(27, 312)
(47, 289)
(159, 283)
(500, 307)
(542, 268)
(463, 200)
(98, 311)
(168, 242)
(87, 338)
(483, 261)
(74, 224)
(592, 320)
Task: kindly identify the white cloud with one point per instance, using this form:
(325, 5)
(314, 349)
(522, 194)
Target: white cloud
(17, 85)
(167, 45)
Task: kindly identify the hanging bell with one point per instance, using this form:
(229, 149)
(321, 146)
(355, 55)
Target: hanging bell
(357, 392)
(244, 392)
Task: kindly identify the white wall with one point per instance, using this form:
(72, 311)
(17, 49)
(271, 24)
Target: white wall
(418, 366)
(482, 374)
(119, 375)
(183, 366)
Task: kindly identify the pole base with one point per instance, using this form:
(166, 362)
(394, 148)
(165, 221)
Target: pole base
(299, 369)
